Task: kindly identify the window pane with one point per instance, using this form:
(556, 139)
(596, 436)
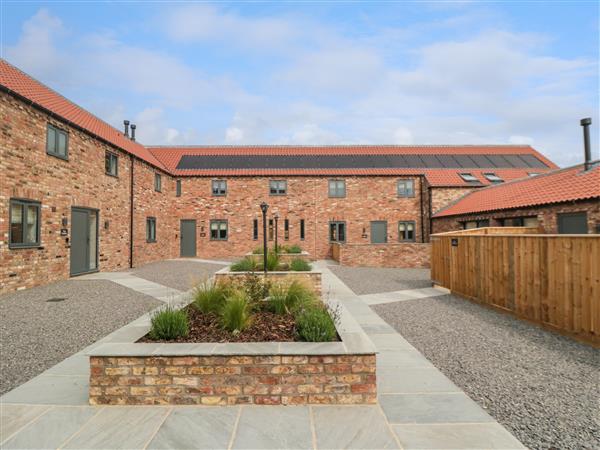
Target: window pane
(342, 232)
(302, 229)
(16, 223)
(62, 143)
(92, 242)
(31, 225)
(51, 140)
(332, 233)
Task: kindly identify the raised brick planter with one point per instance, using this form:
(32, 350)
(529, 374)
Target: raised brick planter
(312, 277)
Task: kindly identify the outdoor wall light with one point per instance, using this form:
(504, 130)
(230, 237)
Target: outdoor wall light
(106, 224)
(65, 222)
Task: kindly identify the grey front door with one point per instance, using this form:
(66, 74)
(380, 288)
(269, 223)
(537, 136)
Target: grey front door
(188, 238)
(84, 240)
(379, 232)
(572, 223)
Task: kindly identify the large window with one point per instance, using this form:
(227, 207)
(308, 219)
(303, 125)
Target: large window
(219, 188)
(157, 182)
(111, 164)
(337, 231)
(218, 230)
(572, 223)
(24, 223)
(301, 229)
(337, 188)
(150, 229)
(57, 142)
(406, 231)
(406, 188)
(277, 187)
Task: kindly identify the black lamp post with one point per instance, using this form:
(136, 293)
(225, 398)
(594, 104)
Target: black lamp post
(276, 217)
(264, 207)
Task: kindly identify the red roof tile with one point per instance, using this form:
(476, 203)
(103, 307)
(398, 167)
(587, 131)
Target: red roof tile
(562, 185)
(37, 93)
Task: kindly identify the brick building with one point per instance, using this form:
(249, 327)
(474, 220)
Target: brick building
(78, 195)
(561, 201)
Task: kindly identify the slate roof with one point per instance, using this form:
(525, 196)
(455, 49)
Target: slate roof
(564, 185)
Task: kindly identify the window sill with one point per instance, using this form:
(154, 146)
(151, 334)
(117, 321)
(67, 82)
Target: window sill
(25, 246)
(111, 175)
(54, 155)
(150, 242)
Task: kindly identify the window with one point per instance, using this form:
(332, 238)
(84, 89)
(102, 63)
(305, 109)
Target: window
(337, 231)
(286, 229)
(406, 231)
(111, 164)
(150, 229)
(469, 177)
(530, 222)
(271, 229)
(24, 223)
(219, 188)
(277, 187)
(157, 182)
(178, 188)
(493, 177)
(572, 223)
(255, 229)
(218, 230)
(406, 188)
(476, 224)
(533, 174)
(337, 188)
(301, 229)
(57, 142)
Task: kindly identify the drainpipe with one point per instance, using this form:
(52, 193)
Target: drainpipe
(421, 206)
(131, 215)
(430, 212)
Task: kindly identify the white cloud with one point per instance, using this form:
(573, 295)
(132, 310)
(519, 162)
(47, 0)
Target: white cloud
(234, 135)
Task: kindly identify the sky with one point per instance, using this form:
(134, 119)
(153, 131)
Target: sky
(319, 73)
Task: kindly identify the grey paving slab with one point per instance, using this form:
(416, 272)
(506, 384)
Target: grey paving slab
(255, 348)
(377, 328)
(184, 349)
(78, 364)
(390, 342)
(456, 436)
(275, 427)
(119, 428)
(360, 427)
(406, 381)
(51, 390)
(52, 428)
(196, 428)
(15, 417)
(402, 358)
(312, 348)
(432, 408)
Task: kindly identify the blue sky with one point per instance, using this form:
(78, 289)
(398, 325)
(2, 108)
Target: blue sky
(322, 72)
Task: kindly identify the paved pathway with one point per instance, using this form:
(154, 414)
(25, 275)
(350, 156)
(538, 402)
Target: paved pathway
(400, 296)
(418, 406)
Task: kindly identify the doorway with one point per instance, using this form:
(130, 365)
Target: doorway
(378, 232)
(187, 238)
(84, 240)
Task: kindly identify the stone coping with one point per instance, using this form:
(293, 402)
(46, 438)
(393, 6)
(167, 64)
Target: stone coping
(227, 270)
(302, 253)
(354, 340)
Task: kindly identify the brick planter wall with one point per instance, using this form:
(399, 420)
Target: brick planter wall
(283, 257)
(404, 255)
(231, 380)
(312, 278)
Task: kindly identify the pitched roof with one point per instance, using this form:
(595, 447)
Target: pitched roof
(441, 164)
(564, 185)
(21, 84)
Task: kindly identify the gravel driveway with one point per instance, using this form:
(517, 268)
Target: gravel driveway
(543, 387)
(36, 334)
(177, 274)
(369, 280)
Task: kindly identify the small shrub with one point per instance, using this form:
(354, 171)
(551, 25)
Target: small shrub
(290, 299)
(255, 286)
(169, 323)
(245, 265)
(272, 261)
(235, 315)
(209, 297)
(277, 302)
(300, 265)
(315, 325)
(294, 249)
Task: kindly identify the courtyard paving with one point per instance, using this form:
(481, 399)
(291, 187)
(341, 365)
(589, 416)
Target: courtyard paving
(418, 406)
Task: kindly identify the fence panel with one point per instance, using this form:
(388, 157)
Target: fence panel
(553, 280)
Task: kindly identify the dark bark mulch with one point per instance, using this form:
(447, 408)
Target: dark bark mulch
(265, 327)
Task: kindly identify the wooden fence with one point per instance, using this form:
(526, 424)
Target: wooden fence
(553, 280)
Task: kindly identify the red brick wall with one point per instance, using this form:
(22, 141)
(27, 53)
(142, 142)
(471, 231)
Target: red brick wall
(367, 199)
(547, 216)
(405, 255)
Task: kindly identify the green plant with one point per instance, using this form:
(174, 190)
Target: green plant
(255, 286)
(314, 324)
(169, 323)
(209, 297)
(245, 265)
(278, 300)
(257, 251)
(294, 249)
(235, 315)
(300, 265)
(272, 261)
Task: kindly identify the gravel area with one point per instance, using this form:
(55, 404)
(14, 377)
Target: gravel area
(543, 387)
(370, 280)
(36, 334)
(177, 274)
